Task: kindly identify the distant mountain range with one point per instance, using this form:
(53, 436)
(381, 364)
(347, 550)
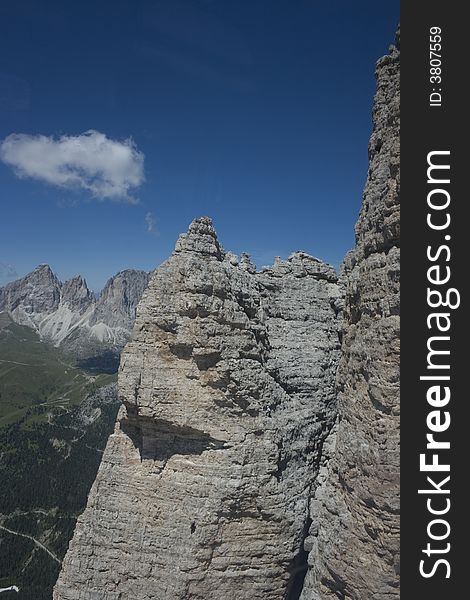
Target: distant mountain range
(69, 315)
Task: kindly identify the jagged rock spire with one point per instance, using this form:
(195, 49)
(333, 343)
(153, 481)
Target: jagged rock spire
(354, 537)
(75, 293)
(201, 238)
(204, 487)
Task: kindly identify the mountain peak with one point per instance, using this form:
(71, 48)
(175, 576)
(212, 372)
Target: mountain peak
(201, 238)
(76, 294)
(37, 293)
(54, 309)
(42, 269)
(202, 223)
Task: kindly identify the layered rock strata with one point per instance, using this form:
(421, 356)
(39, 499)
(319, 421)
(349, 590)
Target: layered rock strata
(354, 536)
(225, 476)
(227, 391)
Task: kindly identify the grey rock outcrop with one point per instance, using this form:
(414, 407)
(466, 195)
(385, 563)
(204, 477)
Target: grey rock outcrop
(255, 454)
(118, 301)
(68, 315)
(354, 537)
(227, 391)
(76, 295)
(31, 298)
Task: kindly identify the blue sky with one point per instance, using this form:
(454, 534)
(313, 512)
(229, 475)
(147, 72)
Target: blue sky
(254, 112)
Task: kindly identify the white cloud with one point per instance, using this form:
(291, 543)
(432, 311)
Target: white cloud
(107, 168)
(151, 223)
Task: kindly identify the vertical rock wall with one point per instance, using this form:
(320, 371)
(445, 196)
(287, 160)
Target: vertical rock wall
(228, 395)
(224, 477)
(354, 536)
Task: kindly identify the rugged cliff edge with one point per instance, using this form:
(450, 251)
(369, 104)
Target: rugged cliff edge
(228, 394)
(225, 477)
(354, 537)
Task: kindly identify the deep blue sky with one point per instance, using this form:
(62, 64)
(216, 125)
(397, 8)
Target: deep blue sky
(255, 112)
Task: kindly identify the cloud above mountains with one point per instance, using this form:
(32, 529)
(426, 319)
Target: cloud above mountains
(108, 169)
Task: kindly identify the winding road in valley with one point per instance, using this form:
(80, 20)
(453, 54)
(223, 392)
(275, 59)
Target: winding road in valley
(25, 535)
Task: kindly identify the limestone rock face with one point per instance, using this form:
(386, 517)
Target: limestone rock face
(354, 536)
(227, 390)
(118, 301)
(31, 298)
(76, 295)
(247, 462)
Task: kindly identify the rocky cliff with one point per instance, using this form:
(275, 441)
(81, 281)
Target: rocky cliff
(228, 394)
(68, 314)
(118, 301)
(354, 537)
(36, 294)
(246, 463)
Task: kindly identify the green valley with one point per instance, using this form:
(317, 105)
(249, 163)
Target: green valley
(55, 418)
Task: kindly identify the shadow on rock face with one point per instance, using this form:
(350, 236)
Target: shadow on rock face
(106, 362)
(158, 439)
